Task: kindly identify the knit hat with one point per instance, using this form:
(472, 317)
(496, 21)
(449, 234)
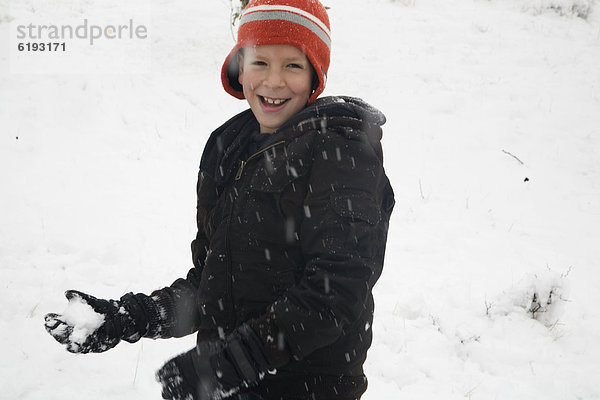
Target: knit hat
(303, 24)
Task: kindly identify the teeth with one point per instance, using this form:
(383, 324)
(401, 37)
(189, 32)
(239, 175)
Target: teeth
(273, 101)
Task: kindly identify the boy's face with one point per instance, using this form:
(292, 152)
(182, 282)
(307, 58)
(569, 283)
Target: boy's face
(277, 82)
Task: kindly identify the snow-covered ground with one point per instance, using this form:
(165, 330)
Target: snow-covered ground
(492, 145)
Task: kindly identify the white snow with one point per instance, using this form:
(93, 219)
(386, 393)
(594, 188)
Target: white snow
(492, 145)
(82, 317)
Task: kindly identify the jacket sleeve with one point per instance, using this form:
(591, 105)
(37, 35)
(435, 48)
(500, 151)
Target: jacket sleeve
(343, 238)
(177, 306)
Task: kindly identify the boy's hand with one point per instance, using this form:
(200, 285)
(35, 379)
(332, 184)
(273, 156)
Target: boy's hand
(215, 369)
(96, 325)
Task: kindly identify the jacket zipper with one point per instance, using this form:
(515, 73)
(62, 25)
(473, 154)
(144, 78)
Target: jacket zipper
(229, 266)
(243, 163)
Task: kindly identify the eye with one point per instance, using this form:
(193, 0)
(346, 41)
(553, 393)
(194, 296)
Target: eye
(294, 65)
(259, 63)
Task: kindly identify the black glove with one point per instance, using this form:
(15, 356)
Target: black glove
(215, 369)
(129, 319)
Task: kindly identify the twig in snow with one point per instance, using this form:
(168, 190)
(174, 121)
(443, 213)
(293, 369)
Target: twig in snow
(137, 363)
(470, 392)
(565, 274)
(513, 156)
(488, 307)
(30, 315)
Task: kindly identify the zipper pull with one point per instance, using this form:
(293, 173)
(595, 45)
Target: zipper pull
(238, 175)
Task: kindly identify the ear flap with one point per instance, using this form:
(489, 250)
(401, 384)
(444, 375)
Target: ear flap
(240, 60)
(315, 78)
(233, 71)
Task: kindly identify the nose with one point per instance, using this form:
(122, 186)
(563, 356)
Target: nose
(274, 79)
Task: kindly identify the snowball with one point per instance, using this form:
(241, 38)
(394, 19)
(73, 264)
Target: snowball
(82, 317)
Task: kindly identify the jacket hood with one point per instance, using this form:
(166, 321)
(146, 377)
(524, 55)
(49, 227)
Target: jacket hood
(339, 106)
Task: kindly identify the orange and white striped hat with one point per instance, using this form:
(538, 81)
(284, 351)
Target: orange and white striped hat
(303, 24)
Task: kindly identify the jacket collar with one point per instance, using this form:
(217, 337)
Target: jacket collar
(227, 144)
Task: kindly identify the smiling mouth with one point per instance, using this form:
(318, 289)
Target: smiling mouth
(271, 102)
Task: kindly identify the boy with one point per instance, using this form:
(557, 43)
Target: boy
(292, 213)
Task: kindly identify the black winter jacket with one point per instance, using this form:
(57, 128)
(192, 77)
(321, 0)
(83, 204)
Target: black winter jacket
(291, 240)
